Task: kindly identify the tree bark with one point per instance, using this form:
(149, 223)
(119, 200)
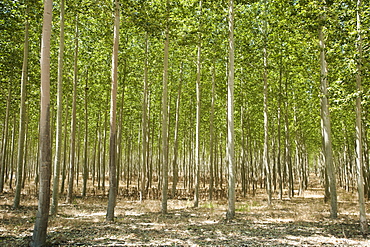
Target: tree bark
(22, 119)
(176, 136)
(359, 144)
(144, 124)
(280, 175)
(266, 164)
(73, 121)
(64, 152)
(40, 230)
(12, 154)
(326, 127)
(86, 160)
(4, 152)
(212, 137)
(164, 156)
(230, 116)
(197, 127)
(113, 133)
(288, 160)
(58, 137)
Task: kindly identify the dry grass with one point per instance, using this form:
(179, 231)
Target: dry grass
(301, 221)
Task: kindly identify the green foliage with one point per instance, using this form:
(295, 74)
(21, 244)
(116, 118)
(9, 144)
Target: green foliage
(290, 37)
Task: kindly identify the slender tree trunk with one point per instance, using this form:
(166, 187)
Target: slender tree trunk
(212, 137)
(176, 139)
(144, 124)
(164, 157)
(86, 160)
(197, 128)
(22, 119)
(359, 144)
(113, 133)
(94, 159)
(73, 121)
(104, 148)
(120, 152)
(279, 138)
(230, 116)
(4, 152)
(12, 154)
(326, 128)
(58, 137)
(288, 160)
(64, 152)
(266, 164)
(39, 233)
(25, 157)
(243, 152)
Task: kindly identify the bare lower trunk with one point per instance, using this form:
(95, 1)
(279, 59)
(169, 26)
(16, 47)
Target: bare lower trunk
(359, 143)
(164, 156)
(230, 117)
(22, 120)
(197, 127)
(40, 230)
(176, 139)
(113, 132)
(58, 137)
(5, 141)
(144, 124)
(326, 128)
(212, 137)
(73, 122)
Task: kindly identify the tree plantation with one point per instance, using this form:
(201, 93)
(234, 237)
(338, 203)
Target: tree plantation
(184, 122)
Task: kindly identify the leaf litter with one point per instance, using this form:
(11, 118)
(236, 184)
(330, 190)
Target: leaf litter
(299, 221)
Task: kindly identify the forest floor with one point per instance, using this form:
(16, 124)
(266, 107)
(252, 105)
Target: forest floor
(300, 221)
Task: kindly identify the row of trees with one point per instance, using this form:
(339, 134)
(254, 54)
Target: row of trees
(193, 94)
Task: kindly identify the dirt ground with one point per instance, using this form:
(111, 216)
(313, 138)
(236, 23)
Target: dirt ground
(300, 221)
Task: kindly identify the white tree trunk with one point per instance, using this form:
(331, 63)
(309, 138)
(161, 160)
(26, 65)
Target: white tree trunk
(58, 137)
(359, 152)
(164, 153)
(40, 230)
(144, 122)
(113, 133)
(197, 127)
(73, 121)
(230, 117)
(326, 128)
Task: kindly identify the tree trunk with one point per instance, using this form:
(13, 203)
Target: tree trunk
(212, 137)
(164, 157)
(73, 121)
(113, 133)
(12, 154)
(176, 139)
(22, 119)
(86, 160)
(64, 152)
(279, 138)
(58, 137)
(144, 124)
(39, 233)
(104, 147)
(120, 129)
(266, 164)
(197, 127)
(4, 152)
(359, 151)
(230, 116)
(326, 128)
(288, 160)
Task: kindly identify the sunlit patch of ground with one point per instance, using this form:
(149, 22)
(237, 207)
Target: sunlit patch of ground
(300, 221)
